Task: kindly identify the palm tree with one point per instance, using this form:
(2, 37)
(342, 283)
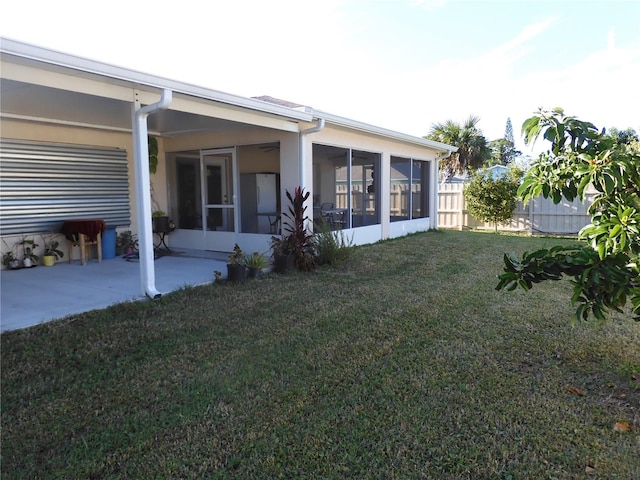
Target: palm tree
(473, 148)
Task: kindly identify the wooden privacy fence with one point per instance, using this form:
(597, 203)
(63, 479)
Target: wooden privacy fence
(399, 198)
(540, 215)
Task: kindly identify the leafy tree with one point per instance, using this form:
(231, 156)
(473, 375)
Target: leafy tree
(508, 132)
(605, 270)
(492, 199)
(628, 136)
(503, 150)
(473, 149)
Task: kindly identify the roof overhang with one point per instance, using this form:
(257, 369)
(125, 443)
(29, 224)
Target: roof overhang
(382, 132)
(47, 86)
(44, 85)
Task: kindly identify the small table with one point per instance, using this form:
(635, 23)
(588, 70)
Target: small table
(161, 235)
(335, 217)
(84, 232)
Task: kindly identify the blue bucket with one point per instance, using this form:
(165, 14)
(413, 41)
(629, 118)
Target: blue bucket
(109, 243)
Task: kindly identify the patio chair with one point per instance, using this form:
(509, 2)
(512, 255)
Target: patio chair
(274, 226)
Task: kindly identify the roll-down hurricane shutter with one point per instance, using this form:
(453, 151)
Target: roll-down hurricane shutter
(43, 184)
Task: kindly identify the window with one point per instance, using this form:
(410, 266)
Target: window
(409, 189)
(345, 187)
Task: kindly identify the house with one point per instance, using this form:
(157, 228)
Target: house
(498, 171)
(74, 136)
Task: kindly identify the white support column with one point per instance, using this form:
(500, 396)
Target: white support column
(384, 190)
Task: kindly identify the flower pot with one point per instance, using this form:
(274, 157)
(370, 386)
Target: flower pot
(236, 273)
(284, 263)
(27, 262)
(49, 260)
(161, 224)
(14, 264)
(254, 272)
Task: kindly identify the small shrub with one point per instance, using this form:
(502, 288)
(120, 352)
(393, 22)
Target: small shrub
(492, 199)
(332, 247)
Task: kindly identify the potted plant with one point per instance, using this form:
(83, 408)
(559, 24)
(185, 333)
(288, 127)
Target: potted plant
(29, 259)
(236, 269)
(298, 241)
(9, 259)
(160, 221)
(255, 263)
(127, 242)
(51, 251)
(284, 257)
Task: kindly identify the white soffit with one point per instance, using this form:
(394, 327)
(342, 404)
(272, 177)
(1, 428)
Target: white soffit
(37, 65)
(383, 132)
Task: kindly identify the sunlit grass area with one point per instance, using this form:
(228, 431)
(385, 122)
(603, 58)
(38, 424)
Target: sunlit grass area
(403, 363)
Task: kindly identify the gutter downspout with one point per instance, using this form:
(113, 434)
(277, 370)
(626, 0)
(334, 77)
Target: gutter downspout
(302, 150)
(143, 190)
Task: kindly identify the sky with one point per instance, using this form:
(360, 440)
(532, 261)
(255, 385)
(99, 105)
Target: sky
(399, 64)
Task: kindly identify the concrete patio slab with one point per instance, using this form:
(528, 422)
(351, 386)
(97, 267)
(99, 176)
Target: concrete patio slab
(30, 296)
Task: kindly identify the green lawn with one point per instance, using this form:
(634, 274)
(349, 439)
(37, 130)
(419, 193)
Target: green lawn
(404, 363)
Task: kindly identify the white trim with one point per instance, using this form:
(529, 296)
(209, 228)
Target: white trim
(53, 121)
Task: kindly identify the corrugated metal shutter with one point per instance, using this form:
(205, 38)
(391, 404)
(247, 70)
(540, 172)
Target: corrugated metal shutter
(43, 184)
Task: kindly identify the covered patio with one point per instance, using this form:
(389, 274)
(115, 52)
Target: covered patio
(30, 296)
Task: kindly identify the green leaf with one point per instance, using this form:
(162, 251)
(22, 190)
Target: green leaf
(609, 183)
(615, 231)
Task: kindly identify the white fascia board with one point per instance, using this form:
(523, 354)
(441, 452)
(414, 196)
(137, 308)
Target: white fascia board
(365, 127)
(85, 65)
(65, 81)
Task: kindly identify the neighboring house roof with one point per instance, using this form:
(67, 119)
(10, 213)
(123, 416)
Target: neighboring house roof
(457, 179)
(186, 119)
(497, 169)
(277, 101)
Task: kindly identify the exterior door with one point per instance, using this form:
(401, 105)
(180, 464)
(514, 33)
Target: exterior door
(219, 207)
(215, 193)
(205, 201)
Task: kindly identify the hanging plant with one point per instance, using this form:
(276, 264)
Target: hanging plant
(153, 153)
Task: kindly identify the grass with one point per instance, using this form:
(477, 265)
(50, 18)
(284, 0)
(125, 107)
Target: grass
(402, 363)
